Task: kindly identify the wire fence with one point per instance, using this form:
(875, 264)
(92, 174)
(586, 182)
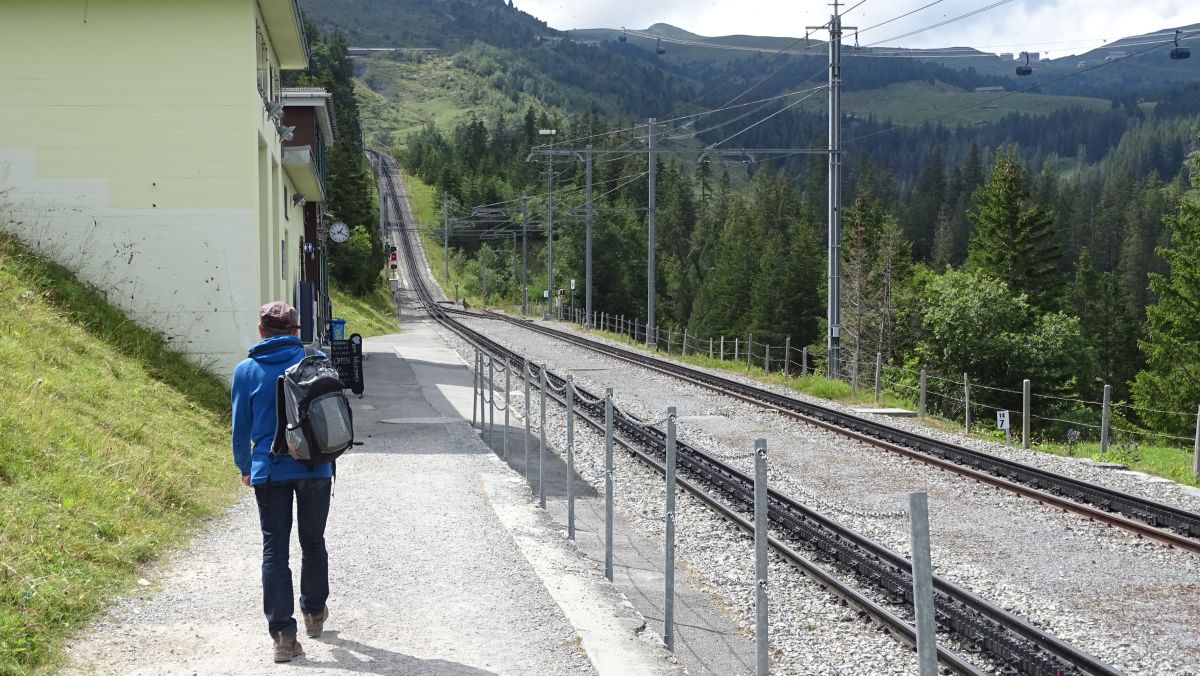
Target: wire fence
(1056, 412)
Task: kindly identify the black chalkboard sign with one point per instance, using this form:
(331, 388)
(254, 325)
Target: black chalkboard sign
(346, 356)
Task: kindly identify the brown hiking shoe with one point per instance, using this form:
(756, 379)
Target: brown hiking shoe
(287, 647)
(314, 623)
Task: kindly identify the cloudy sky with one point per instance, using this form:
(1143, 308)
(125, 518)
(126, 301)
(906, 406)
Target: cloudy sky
(1060, 27)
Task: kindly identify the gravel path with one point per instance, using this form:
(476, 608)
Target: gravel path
(429, 539)
(1131, 602)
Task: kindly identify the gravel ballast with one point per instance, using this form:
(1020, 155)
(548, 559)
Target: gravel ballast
(1129, 601)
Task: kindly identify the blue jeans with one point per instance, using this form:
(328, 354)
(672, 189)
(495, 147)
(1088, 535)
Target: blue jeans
(275, 515)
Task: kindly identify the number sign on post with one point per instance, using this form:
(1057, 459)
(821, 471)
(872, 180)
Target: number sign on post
(1002, 423)
(346, 356)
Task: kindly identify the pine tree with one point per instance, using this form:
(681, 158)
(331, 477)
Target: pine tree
(1013, 240)
(1171, 379)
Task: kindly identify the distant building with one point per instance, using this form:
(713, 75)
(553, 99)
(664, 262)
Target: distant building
(1034, 57)
(989, 89)
(363, 52)
(141, 145)
(1006, 56)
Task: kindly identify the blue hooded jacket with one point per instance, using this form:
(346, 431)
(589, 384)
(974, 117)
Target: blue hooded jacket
(253, 395)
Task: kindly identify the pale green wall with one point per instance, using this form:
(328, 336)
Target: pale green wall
(129, 149)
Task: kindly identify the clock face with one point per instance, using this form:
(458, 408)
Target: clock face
(339, 232)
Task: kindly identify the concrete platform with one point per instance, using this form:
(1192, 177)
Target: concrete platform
(440, 563)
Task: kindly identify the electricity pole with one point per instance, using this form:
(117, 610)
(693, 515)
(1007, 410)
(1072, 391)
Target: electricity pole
(834, 318)
(835, 191)
(650, 233)
(549, 223)
(587, 278)
(524, 255)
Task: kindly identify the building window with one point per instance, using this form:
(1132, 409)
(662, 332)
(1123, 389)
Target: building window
(268, 75)
(287, 209)
(283, 265)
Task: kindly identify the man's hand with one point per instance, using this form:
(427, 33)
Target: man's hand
(245, 481)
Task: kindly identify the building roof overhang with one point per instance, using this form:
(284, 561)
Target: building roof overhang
(314, 97)
(286, 31)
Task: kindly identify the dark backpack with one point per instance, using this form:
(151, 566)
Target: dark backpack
(314, 423)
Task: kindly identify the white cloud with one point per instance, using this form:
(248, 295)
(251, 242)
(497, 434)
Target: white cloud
(1060, 27)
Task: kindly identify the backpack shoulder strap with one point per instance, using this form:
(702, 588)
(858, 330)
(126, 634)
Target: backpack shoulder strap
(309, 350)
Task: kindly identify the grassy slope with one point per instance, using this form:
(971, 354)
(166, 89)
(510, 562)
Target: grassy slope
(111, 448)
(913, 102)
(374, 315)
(397, 98)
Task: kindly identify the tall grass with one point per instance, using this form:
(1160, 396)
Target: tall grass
(111, 448)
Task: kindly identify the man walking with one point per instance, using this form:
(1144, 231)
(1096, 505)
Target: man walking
(276, 479)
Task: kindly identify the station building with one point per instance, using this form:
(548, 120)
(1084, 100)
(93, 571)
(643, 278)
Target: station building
(142, 145)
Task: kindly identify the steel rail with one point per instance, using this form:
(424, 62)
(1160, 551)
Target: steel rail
(1140, 516)
(1007, 638)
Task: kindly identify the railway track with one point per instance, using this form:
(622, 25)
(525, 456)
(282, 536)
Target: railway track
(1170, 525)
(1006, 640)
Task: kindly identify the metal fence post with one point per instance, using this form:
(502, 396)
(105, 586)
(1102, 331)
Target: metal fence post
(787, 356)
(683, 347)
(878, 371)
(749, 350)
(804, 361)
(482, 397)
(922, 574)
(1105, 420)
(571, 457)
(737, 344)
(608, 484)
(767, 359)
(542, 448)
(669, 570)
(1196, 448)
(475, 388)
(507, 399)
(528, 377)
(921, 396)
(966, 404)
(1025, 410)
(670, 339)
(761, 535)
(491, 384)
(710, 346)
(722, 348)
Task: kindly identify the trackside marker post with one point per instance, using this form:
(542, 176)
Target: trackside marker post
(922, 574)
(1105, 420)
(669, 570)
(761, 535)
(1025, 423)
(608, 484)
